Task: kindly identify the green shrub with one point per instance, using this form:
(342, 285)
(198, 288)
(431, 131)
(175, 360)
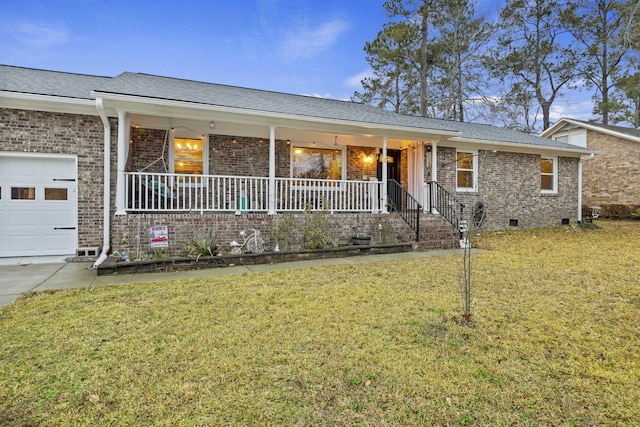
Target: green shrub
(315, 230)
(204, 243)
(282, 230)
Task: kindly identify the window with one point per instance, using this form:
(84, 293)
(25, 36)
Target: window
(578, 138)
(316, 163)
(23, 193)
(55, 194)
(549, 174)
(189, 156)
(466, 170)
(563, 138)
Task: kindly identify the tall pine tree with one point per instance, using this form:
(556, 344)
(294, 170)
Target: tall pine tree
(426, 60)
(598, 27)
(531, 53)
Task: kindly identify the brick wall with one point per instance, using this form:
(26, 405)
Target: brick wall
(81, 135)
(509, 184)
(145, 150)
(612, 177)
(404, 171)
(183, 227)
(245, 157)
(357, 167)
(506, 197)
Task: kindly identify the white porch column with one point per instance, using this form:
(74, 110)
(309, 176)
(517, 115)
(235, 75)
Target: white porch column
(123, 152)
(385, 191)
(434, 171)
(272, 170)
(416, 171)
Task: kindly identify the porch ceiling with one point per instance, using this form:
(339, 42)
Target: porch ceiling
(261, 131)
(241, 122)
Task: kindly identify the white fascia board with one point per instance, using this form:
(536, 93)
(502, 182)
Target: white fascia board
(153, 106)
(554, 128)
(514, 147)
(57, 104)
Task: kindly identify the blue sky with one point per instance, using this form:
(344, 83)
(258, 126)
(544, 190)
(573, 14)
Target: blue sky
(311, 47)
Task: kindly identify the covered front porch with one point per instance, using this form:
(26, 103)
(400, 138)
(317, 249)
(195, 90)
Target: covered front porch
(221, 174)
(171, 164)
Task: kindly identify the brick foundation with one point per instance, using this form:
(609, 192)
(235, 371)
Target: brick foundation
(134, 228)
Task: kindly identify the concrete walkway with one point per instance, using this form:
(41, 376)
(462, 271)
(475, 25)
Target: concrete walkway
(20, 275)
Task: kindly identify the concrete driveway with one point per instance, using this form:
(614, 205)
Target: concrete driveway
(20, 275)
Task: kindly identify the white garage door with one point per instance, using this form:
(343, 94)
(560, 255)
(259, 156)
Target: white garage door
(38, 206)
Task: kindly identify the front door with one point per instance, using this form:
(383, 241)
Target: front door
(393, 172)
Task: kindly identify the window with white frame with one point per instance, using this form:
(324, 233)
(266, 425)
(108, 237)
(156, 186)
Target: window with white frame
(466, 170)
(549, 174)
(189, 156)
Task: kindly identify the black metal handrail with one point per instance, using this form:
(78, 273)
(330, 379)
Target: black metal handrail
(447, 205)
(405, 205)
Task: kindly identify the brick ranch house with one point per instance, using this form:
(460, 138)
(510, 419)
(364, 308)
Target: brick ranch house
(611, 181)
(93, 162)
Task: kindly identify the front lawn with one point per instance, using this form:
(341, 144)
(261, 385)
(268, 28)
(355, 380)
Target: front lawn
(555, 341)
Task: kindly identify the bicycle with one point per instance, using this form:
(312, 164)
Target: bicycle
(252, 243)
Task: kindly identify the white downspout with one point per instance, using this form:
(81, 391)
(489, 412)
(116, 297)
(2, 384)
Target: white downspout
(107, 183)
(580, 185)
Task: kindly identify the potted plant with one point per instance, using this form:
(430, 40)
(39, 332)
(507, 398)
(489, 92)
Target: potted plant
(357, 239)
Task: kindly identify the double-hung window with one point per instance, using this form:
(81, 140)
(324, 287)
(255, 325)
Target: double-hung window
(549, 175)
(466, 170)
(189, 158)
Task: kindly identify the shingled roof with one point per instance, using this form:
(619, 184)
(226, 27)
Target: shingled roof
(49, 83)
(148, 87)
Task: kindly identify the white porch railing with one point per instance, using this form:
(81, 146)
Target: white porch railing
(166, 192)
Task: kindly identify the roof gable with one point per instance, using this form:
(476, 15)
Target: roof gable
(565, 124)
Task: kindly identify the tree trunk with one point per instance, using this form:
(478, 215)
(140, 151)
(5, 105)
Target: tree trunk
(424, 47)
(605, 85)
(546, 114)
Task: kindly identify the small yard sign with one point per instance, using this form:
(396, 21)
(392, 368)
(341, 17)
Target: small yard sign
(159, 236)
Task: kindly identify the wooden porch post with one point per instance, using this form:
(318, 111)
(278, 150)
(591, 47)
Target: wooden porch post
(123, 153)
(272, 170)
(385, 193)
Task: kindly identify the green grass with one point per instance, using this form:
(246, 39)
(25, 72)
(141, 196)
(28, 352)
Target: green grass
(554, 342)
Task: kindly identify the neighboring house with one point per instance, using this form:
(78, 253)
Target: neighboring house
(611, 180)
(90, 161)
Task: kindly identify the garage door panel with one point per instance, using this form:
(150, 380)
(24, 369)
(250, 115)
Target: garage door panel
(54, 243)
(59, 218)
(23, 242)
(27, 227)
(25, 218)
